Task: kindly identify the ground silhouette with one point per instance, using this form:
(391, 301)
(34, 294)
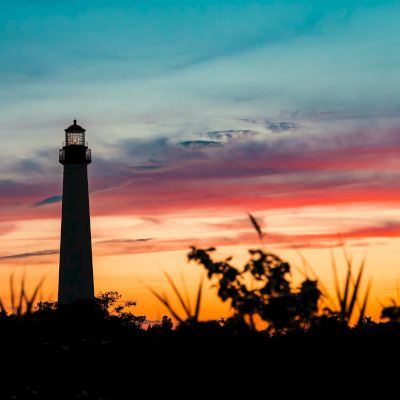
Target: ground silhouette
(100, 349)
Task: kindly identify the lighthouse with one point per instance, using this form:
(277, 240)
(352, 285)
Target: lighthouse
(76, 267)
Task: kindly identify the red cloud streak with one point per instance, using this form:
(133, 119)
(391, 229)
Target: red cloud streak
(243, 181)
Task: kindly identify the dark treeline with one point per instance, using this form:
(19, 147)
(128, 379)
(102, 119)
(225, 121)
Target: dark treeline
(82, 351)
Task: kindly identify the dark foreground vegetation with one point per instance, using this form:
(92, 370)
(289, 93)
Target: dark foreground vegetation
(314, 346)
(80, 351)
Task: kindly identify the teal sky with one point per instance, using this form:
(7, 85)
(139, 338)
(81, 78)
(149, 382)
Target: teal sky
(187, 66)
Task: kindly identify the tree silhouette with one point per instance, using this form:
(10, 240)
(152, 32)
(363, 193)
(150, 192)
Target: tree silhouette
(262, 289)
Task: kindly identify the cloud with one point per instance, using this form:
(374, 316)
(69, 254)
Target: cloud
(157, 176)
(14, 191)
(149, 166)
(267, 172)
(277, 127)
(141, 240)
(232, 134)
(152, 220)
(28, 166)
(273, 126)
(48, 200)
(312, 114)
(40, 253)
(146, 147)
(200, 144)
(154, 153)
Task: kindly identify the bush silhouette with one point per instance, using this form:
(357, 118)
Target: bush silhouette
(262, 289)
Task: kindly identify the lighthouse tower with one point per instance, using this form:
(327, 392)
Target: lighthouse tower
(76, 269)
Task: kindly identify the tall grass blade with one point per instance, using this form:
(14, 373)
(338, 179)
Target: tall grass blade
(41, 294)
(379, 302)
(3, 310)
(357, 283)
(257, 227)
(186, 292)
(198, 300)
(300, 271)
(30, 302)
(178, 294)
(345, 294)
(306, 264)
(397, 291)
(336, 279)
(12, 293)
(163, 299)
(364, 304)
(21, 296)
(347, 285)
(304, 261)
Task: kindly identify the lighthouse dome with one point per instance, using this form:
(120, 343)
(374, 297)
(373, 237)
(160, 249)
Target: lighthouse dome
(75, 128)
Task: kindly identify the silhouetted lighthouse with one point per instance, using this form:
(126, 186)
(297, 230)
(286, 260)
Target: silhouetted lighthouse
(76, 269)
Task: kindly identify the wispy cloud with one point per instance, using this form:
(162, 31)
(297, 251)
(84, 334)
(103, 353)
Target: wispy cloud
(40, 253)
(199, 144)
(232, 134)
(48, 200)
(241, 234)
(274, 126)
(140, 240)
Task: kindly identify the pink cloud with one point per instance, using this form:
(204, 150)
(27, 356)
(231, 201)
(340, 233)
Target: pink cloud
(290, 172)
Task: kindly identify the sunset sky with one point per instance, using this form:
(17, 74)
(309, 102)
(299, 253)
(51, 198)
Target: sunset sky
(198, 112)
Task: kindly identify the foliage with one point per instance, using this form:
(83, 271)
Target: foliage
(191, 316)
(391, 313)
(166, 323)
(104, 306)
(165, 326)
(348, 296)
(21, 303)
(262, 289)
